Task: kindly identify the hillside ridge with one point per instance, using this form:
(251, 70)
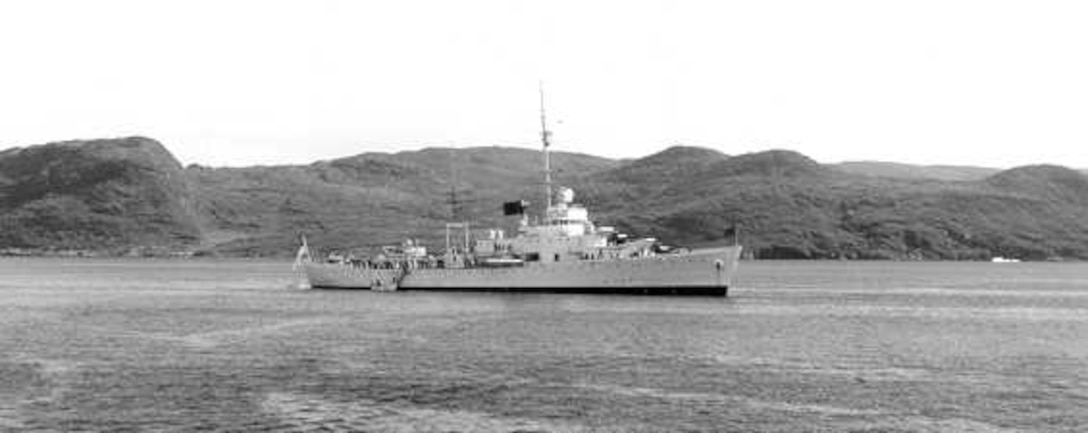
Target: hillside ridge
(115, 196)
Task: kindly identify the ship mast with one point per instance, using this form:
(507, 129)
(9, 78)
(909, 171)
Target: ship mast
(545, 136)
(455, 204)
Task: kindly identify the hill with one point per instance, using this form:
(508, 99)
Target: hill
(98, 195)
(371, 199)
(788, 206)
(911, 171)
(112, 195)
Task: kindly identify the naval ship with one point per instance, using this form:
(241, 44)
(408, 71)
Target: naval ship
(563, 251)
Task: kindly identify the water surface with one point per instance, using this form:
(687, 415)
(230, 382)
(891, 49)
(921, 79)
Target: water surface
(147, 345)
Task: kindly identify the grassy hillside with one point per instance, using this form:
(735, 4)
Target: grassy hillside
(788, 206)
(911, 171)
(370, 199)
(112, 195)
(103, 195)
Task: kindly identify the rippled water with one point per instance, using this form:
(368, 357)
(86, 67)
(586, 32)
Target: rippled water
(104, 345)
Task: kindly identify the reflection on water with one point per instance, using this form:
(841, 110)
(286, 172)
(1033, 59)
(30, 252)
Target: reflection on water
(99, 345)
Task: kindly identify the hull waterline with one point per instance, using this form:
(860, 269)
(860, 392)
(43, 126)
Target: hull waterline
(701, 272)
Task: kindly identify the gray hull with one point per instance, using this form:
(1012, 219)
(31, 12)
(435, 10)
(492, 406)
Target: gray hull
(701, 272)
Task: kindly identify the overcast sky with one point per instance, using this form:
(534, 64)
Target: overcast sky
(219, 82)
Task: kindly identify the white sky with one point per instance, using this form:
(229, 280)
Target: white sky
(994, 83)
